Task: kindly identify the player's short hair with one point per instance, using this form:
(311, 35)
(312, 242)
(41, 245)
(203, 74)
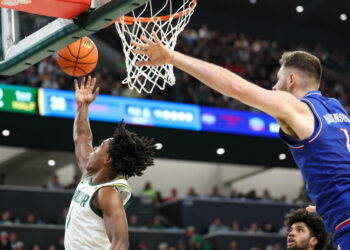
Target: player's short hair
(130, 154)
(313, 222)
(304, 62)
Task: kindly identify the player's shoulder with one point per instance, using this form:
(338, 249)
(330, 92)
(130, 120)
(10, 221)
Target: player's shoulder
(107, 197)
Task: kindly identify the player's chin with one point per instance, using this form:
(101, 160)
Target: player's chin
(292, 247)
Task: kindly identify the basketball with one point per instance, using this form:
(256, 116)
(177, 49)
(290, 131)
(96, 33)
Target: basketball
(78, 58)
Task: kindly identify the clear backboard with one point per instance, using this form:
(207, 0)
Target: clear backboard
(71, 20)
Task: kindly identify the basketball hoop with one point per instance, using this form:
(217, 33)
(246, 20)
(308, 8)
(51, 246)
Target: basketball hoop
(167, 26)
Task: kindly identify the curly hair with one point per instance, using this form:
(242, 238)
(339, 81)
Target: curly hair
(131, 154)
(313, 222)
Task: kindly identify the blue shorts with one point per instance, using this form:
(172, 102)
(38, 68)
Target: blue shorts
(341, 238)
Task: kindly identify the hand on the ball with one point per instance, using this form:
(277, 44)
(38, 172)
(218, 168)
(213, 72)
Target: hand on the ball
(84, 93)
(157, 53)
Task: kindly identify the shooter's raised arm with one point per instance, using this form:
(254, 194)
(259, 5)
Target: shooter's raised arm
(82, 135)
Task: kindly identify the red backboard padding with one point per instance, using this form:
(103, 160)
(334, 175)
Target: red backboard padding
(55, 8)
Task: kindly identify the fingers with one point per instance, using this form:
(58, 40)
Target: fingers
(87, 85)
(154, 34)
(149, 42)
(140, 45)
(311, 209)
(143, 63)
(76, 86)
(82, 83)
(141, 52)
(93, 82)
(95, 93)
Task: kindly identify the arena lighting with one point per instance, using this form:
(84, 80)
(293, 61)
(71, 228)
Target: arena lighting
(159, 146)
(253, 1)
(282, 156)
(6, 132)
(220, 151)
(299, 9)
(343, 17)
(51, 163)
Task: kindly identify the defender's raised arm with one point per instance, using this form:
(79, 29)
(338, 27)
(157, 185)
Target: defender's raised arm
(280, 104)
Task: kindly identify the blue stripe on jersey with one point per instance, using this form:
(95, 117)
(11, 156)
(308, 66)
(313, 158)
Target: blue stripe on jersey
(324, 159)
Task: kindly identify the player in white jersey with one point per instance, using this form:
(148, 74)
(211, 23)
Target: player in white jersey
(96, 217)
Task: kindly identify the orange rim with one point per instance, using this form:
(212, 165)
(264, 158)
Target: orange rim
(130, 20)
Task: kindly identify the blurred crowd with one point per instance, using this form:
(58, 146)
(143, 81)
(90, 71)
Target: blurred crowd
(11, 241)
(251, 57)
(194, 239)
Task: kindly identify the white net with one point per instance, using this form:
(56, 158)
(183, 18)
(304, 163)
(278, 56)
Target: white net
(168, 21)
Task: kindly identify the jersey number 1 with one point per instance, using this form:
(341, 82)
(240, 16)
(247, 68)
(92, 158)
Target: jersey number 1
(346, 133)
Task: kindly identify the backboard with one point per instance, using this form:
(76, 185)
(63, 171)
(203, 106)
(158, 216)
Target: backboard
(74, 19)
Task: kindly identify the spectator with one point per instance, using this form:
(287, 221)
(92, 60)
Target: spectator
(173, 195)
(13, 239)
(235, 227)
(163, 246)
(60, 245)
(157, 224)
(149, 191)
(19, 246)
(276, 246)
(268, 228)
(4, 241)
(50, 82)
(266, 195)
(217, 226)
(31, 219)
(62, 219)
(254, 229)
(159, 199)
(51, 247)
(233, 194)
(283, 230)
(54, 183)
(256, 248)
(192, 192)
(181, 245)
(36, 247)
(233, 245)
(215, 193)
(140, 245)
(134, 221)
(6, 217)
(196, 241)
(252, 195)
(283, 198)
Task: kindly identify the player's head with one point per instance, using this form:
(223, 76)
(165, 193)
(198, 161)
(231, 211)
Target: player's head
(298, 69)
(305, 231)
(125, 153)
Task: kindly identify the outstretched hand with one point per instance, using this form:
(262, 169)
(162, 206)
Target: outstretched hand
(157, 53)
(311, 209)
(84, 93)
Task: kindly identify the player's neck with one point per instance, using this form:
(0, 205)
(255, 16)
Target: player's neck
(300, 92)
(103, 176)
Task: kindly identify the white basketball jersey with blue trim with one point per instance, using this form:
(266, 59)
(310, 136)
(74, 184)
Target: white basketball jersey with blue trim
(85, 228)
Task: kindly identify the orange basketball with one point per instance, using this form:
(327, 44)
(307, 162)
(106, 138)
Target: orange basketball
(78, 58)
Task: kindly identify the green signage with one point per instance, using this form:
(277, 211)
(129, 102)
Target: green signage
(18, 99)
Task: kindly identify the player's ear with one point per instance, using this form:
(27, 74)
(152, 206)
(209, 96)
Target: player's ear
(313, 241)
(291, 80)
(108, 161)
